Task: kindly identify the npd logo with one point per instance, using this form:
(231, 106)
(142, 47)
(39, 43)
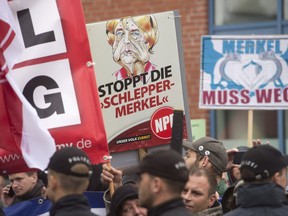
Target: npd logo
(161, 122)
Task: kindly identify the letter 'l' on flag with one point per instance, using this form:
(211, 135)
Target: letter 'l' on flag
(20, 128)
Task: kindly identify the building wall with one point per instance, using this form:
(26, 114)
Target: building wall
(194, 20)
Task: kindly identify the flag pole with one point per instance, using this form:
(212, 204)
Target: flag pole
(142, 153)
(250, 128)
(111, 184)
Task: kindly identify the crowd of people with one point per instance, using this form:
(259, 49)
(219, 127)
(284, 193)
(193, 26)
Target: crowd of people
(209, 180)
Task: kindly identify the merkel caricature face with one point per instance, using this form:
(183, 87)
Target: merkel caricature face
(129, 45)
(132, 40)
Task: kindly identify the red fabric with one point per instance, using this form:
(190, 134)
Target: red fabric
(78, 52)
(92, 125)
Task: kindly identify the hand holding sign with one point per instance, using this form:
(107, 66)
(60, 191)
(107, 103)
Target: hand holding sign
(110, 174)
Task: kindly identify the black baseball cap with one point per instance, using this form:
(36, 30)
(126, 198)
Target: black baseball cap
(64, 159)
(264, 161)
(214, 149)
(167, 164)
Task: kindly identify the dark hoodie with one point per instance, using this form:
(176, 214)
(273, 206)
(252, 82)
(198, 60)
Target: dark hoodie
(123, 193)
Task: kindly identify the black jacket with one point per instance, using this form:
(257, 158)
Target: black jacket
(260, 199)
(173, 207)
(76, 205)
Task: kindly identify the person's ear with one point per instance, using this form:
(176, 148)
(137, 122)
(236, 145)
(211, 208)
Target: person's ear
(212, 200)
(52, 182)
(204, 161)
(157, 184)
(34, 176)
(277, 178)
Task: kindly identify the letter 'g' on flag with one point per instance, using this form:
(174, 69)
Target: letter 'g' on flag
(20, 127)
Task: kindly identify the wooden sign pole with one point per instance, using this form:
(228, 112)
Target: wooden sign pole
(111, 184)
(250, 128)
(142, 153)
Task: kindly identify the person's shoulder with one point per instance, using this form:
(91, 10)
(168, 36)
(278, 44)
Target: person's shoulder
(234, 212)
(2, 212)
(243, 211)
(260, 210)
(284, 209)
(177, 211)
(76, 214)
(93, 214)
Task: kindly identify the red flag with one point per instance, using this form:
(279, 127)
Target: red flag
(21, 130)
(54, 75)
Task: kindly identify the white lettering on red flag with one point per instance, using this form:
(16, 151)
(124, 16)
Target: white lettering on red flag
(21, 131)
(52, 74)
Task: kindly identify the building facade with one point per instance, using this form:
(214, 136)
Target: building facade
(213, 17)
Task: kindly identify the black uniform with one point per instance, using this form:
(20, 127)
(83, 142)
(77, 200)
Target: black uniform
(260, 199)
(76, 205)
(173, 207)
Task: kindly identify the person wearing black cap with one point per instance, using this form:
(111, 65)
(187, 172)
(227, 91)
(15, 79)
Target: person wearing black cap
(69, 170)
(125, 202)
(263, 169)
(162, 177)
(208, 153)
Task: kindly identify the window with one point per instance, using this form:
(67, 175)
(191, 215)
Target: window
(285, 9)
(238, 17)
(244, 11)
(232, 126)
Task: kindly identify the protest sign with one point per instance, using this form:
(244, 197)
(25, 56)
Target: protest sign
(244, 72)
(141, 78)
